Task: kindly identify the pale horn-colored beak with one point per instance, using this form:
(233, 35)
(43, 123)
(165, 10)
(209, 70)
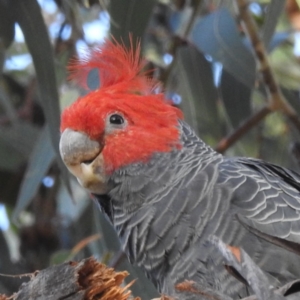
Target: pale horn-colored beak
(84, 159)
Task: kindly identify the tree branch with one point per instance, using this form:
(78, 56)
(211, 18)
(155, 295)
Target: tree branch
(248, 124)
(91, 280)
(276, 100)
(86, 280)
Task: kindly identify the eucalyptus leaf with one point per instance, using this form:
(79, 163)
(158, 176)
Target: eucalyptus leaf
(278, 38)
(7, 25)
(7, 105)
(292, 97)
(193, 79)
(286, 67)
(5, 261)
(16, 143)
(217, 36)
(60, 257)
(274, 11)
(143, 287)
(20, 136)
(236, 98)
(39, 162)
(27, 14)
(10, 158)
(129, 16)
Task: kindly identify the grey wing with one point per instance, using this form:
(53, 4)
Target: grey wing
(267, 198)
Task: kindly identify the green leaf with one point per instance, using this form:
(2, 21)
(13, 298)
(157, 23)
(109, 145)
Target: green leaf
(20, 136)
(16, 144)
(236, 99)
(129, 16)
(193, 79)
(60, 257)
(27, 14)
(143, 287)
(286, 67)
(40, 160)
(292, 97)
(274, 11)
(217, 36)
(7, 26)
(10, 111)
(10, 158)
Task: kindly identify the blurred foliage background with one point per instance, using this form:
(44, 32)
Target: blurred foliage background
(200, 52)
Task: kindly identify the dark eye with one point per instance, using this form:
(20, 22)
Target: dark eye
(116, 119)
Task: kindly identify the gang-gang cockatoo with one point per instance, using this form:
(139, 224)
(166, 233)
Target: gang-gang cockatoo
(165, 191)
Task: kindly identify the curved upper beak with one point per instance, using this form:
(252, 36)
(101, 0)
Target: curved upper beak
(84, 159)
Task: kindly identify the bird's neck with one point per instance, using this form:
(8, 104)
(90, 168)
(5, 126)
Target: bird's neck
(140, 184)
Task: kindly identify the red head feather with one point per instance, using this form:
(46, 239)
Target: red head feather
(118, 67)
(152, 122)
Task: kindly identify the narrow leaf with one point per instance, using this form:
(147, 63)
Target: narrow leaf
(10, 111)
(40, 160)
(27, 14)
(7, 26)
(129, 17)
(236, 98)
(274, 11)
(217, 36)
(193, 79)
(20, 136)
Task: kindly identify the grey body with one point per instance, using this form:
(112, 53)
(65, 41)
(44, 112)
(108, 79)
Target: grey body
(165, 210)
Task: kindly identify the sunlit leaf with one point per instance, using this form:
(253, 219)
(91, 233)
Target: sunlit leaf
(40, 160)
(217, 36)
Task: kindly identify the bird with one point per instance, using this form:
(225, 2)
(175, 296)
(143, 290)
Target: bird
(164, 190)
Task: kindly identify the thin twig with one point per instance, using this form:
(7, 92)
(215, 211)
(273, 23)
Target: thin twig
(249, 123)
(276, 100)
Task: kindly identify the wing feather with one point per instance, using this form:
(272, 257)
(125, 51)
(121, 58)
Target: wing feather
(268, 198)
